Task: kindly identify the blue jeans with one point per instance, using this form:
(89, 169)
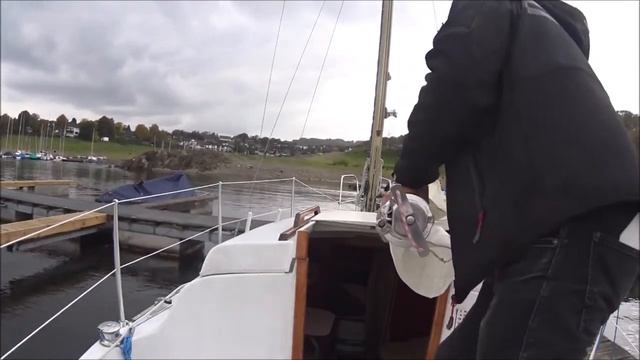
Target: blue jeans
(552, 301)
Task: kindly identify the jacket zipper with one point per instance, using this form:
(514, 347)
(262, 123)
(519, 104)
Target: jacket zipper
(475, 180)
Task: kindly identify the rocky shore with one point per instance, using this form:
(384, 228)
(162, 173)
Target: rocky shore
(207, 166)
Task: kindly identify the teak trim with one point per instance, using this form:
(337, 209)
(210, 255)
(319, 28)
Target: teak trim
(439, 314)
(302, 218)
(300, 300)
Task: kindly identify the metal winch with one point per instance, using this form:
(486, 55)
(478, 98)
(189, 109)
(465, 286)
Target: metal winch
(109, 332)
(405, 221)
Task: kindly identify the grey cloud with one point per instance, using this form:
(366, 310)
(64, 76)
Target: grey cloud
(201, 65)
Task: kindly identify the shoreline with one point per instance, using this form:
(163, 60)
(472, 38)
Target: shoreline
(208, 167)
(245, 172)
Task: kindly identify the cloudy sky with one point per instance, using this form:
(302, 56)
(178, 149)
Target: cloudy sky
(205, 65)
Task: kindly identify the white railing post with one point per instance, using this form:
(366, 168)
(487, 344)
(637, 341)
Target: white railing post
(293, 195)
(219, 212)
(279, 216)
(116, 261)
(213, 206)
(340, 194)
(247, 224)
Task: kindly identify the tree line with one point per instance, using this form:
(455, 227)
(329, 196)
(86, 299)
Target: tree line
(32, 124)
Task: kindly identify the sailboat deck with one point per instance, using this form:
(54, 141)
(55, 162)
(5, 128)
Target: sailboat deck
(607, 349)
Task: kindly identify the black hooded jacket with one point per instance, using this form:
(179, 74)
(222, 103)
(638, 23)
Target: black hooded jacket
(526, 131)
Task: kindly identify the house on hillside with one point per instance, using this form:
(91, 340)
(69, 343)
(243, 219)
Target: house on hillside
(72, 131)
(225, 143)
(191, 144)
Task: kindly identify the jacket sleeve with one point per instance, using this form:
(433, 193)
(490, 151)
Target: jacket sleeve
(459, 99)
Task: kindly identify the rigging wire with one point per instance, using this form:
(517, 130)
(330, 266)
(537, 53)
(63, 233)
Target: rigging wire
(435, 16)
(284, 100)
(273, 60)
(324, 60)
(286, 94)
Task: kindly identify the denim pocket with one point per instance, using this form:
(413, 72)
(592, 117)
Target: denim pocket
(535, 262)
(613, 267)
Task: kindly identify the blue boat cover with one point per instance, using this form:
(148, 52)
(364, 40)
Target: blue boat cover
(177, 181)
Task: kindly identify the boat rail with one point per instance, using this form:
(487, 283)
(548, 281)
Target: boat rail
(117, 271)
(356, 199)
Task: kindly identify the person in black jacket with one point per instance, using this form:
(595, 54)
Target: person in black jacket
(542, 179)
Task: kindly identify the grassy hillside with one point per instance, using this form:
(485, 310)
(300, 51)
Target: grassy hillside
(352, 161)
(76, 147)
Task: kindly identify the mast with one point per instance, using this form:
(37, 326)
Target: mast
(6, 144)
(63, 135)
(93, 135)
(379, 109)
(53, 132)
(19, 131)
(40, 142)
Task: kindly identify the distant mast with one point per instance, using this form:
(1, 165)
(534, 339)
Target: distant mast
(9, 123)
(379, 110)
(93, 135)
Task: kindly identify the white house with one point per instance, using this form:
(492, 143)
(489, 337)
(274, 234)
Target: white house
(72, 131)
(226, 143)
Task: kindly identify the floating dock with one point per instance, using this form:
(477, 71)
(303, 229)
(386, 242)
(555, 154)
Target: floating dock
(140, 225)
(32, 184)
(13, 231)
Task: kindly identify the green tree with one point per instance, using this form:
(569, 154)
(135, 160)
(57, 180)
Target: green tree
(164, 135)
(22, 122)
(34, 124)
(154, 130)
(61, 121)
(119, 130)
(86, 129)
(141, 132)
(5, 119)
(242, 137)
(155, 134)
(105, 127)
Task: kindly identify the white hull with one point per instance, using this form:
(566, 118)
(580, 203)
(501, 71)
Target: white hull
(243, 303)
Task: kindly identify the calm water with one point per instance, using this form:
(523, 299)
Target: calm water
(35, 284)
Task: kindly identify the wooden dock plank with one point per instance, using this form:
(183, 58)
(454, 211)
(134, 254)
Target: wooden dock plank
(34, 183)
(12, 231)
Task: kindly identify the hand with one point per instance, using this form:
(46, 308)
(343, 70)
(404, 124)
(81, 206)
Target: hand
(423, 192)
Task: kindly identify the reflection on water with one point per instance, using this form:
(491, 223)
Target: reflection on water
(87, 176)
(38, 283)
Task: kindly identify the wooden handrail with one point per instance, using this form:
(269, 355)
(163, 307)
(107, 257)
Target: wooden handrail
(302, 218)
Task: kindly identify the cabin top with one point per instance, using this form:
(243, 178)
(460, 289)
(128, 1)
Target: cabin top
(260, 251)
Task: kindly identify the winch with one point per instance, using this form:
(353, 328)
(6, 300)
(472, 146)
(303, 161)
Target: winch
(421, 251)
(405, 221)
